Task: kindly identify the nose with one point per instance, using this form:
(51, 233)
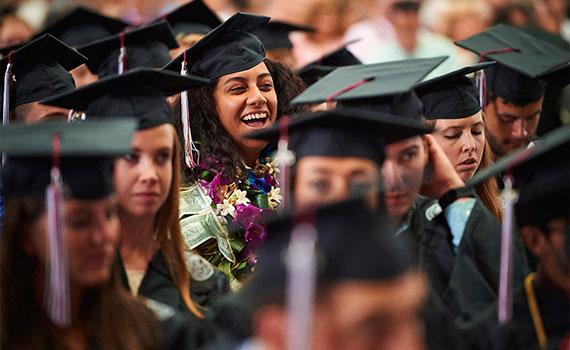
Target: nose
(469, 145)
(256, 97)
(147, 170)
(390, 174)
(103, 231)
(518, 130)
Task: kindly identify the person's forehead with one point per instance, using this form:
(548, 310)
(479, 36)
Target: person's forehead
(441, 124)
(336, 164)
(255, 72)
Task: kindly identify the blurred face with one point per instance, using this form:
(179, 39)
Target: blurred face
(552, 250)
(35, 112)
(402, 174)
(371, 315)
(143, 178)
(321, 179)
(509, 126)
(463, 141)
(82, 76)
(246, 101)
(359, 315)
(92, 231)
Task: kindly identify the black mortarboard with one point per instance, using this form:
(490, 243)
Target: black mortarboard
(139, 93)
(82, 26)
(193, 17)
(315, 70)
(275, 35)
(353, 245)
(87, 150)
(384, 87)
(227, 49)
(523, 63)
(144, 47)
(343, 133)
(40, 69)
(541, 175)
(452, 95)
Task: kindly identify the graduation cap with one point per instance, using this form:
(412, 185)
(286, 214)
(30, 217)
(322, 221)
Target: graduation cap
(140, 93)
(536, 191)
(37, 70)
(340, 57)
(82, 26)
(452, 95)
(349, 243)
(275, 35)
(193, 17)
(54, 160)
(524, 63)
(384, 87)
(144, 47)
(227, 49)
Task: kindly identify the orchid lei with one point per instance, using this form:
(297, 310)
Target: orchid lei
(241, 204)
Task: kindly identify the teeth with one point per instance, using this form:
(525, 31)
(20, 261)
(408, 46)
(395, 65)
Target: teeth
(254, 116)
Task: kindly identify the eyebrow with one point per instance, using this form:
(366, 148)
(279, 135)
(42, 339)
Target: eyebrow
(411, 148)
(519, 116)
(242, 79)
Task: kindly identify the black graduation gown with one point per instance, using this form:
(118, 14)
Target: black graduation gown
(554, 306)
(466, 281)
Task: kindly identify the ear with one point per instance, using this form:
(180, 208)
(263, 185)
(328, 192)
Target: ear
(269, 325)
(426, 151)
(534, 240)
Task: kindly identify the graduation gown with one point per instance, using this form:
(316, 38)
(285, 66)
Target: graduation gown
(554, 306)
(466, 281)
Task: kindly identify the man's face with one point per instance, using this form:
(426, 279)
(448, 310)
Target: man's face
(509, 126)
(35, 112)
(402, 175)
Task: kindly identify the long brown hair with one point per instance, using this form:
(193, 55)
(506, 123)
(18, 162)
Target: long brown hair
(488, 190)
(112, 317)
(169, 235)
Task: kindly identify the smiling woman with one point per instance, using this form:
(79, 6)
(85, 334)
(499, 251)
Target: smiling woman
(233, 182)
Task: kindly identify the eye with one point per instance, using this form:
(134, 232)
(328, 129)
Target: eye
(452, 136)
(131, 157)
(237, 89)
(322, 186)
(78, 222)
(112, 212)
(266, 86)
(359, 187)
(506, 119)
(163, 157)
(477, 131)
(408, 155)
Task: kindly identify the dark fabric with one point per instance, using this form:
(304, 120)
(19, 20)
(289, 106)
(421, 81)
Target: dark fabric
(454, 99)
(193, 17)
(150, 54)
(512, 86)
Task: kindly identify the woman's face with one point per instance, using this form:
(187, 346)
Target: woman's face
(463, 141)
(321, 179)
(246, 101)
(143, 178)
(92, 229)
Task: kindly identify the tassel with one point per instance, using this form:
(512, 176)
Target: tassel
(285, 159)
(301, 264)
(57, 283)
(122, 54)
(190, 147)
(8, 78)
(482, 87)
(505, 301)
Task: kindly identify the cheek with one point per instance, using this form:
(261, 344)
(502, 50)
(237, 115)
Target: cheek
(166, 178)
(229, 113)
(272, 103)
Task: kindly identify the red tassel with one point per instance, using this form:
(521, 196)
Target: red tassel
(331, 97)
(56, 296)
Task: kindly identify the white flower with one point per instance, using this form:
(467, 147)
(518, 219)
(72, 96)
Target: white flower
(273, 168)
(239, 197)
(274, 197)
(226, 208)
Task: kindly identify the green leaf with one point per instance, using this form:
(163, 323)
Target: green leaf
(237, 245)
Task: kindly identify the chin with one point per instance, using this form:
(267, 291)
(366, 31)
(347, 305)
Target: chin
(95, 279)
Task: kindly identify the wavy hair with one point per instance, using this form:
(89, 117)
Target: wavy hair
(216, 147)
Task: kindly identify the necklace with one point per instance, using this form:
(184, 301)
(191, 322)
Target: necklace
(534, 311)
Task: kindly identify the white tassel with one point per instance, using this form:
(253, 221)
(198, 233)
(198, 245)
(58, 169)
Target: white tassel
(285, 159)
(6, 98)
(189, 146)
(505, 300)
(301, 284)
(57, 283)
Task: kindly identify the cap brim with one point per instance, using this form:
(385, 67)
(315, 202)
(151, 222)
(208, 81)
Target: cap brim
(459, 72)
(167, 82)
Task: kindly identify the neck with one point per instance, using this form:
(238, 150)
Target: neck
(250, 157)
(137, 233)
(545, 281)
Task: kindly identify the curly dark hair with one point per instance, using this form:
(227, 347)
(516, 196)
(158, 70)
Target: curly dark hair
(212, 139)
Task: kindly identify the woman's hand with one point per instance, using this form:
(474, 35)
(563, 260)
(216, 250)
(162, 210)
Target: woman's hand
(443, 176)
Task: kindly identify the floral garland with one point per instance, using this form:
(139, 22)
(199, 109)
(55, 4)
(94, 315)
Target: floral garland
(240, 205)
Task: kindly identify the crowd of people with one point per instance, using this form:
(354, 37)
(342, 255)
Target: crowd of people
(194, 176)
